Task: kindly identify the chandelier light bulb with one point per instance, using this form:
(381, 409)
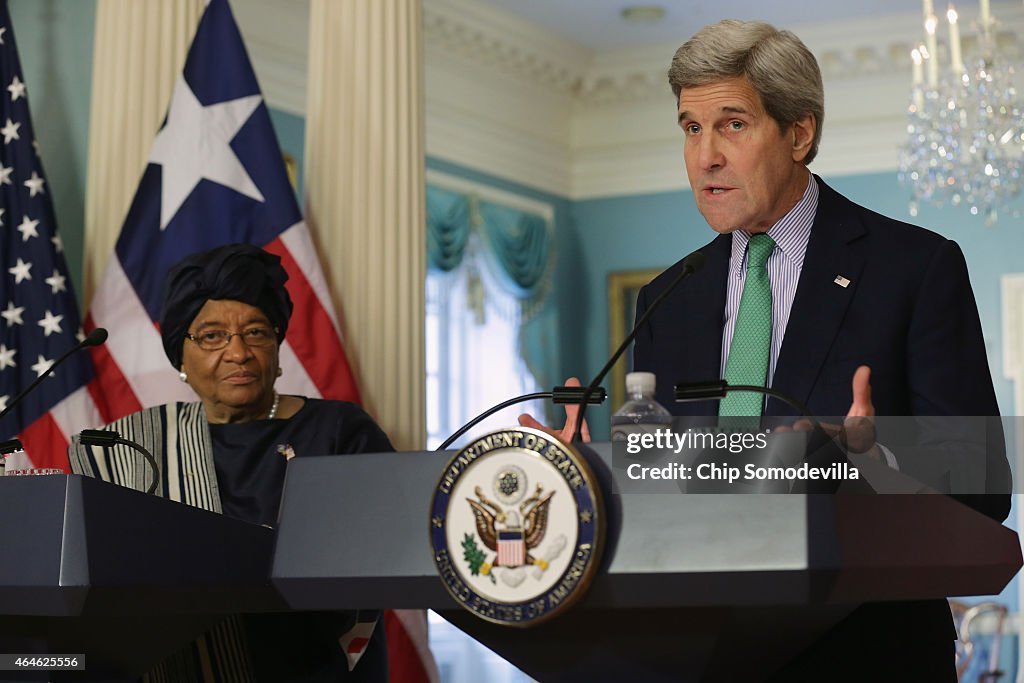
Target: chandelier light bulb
(965, 130)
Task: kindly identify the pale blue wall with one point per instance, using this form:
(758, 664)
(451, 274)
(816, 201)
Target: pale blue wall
(291, 136)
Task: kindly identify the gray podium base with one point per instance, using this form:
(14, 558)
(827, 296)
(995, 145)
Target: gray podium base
(121, 576)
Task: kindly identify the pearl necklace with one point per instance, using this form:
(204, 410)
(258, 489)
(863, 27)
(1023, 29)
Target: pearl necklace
(273, 408)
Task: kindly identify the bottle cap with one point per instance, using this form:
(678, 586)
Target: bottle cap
(640, 382)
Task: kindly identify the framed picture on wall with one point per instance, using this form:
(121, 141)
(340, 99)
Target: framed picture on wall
(623, 288)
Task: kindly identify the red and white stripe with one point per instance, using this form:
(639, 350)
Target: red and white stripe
(511, 553)
(354, 641)
(46, 440)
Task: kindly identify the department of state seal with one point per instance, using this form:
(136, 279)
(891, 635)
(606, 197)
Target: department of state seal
(517, 526)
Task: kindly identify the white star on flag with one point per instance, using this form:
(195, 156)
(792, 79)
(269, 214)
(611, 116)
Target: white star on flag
(7, 357)
(3, 402)
(35, 184)
(2, 212)
(13, 314)
(58, 243)
(41, 366)
(28, 228)
(10, 131)
(56, 282)
(5, 174)
(20, 271)
(196, 143)
(3, 30)
(51, 323)
(16, 88)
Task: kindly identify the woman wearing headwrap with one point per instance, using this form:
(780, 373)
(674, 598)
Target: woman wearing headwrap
(224, 316)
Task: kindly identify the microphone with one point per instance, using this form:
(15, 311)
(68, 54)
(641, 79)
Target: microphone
(717, 389)
(561, 395)
(819, 448)
(691, 264)
(94, 338)
(108, 437)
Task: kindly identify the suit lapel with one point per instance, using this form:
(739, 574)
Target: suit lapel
(820, 303)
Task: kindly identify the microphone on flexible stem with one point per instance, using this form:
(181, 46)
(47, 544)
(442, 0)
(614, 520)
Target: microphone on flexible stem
(108, 437)
(691, 264)
(94, 338)
(561, 394)
(819, 447)
(716, 390)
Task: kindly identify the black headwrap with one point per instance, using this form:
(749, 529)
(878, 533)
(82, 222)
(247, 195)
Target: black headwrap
(239, 272)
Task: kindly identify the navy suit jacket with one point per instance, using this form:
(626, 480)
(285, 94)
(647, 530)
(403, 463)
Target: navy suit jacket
(908, 312)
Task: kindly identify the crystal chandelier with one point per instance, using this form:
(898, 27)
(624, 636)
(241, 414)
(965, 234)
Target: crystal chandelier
(965, 141)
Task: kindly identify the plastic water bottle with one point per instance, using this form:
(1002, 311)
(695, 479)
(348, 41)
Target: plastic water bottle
(640, 413)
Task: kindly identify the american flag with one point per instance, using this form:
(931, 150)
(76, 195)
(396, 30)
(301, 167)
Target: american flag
(216, 176)
(37, 303)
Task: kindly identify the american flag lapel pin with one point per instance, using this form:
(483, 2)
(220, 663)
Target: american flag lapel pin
(842, 281)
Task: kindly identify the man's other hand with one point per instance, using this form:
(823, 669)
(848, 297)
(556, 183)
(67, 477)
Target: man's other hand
(571, 411)
(857, 433)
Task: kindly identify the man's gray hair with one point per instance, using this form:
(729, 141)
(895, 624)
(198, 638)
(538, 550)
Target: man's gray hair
(778, 65)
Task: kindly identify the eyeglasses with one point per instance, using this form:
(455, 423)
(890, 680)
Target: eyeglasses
(215, 340)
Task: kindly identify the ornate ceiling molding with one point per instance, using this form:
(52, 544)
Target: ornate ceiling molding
(489, 37)
(462, 28)
(511, 99)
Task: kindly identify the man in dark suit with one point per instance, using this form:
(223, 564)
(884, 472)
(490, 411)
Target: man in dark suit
(867, 315)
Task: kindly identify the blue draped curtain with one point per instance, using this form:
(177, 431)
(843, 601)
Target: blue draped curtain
(486, 259)
(517, 245)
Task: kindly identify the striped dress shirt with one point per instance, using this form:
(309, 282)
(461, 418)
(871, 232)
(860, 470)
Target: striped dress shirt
(786, 262)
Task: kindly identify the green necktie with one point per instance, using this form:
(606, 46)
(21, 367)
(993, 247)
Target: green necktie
(752, 337)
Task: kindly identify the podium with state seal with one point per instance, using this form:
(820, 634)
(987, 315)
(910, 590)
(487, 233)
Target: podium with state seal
(597, 585)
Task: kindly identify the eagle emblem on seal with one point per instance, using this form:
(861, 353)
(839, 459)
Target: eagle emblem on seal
(513, 533)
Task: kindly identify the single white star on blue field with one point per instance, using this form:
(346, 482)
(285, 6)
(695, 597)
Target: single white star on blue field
(195, 143)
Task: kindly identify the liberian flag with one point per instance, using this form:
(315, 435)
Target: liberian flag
(216, 176)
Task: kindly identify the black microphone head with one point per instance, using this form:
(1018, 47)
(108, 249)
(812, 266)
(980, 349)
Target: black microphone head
(96, 337)
(694, 262)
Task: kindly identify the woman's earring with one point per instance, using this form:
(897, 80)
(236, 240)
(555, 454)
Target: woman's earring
(182, 376)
